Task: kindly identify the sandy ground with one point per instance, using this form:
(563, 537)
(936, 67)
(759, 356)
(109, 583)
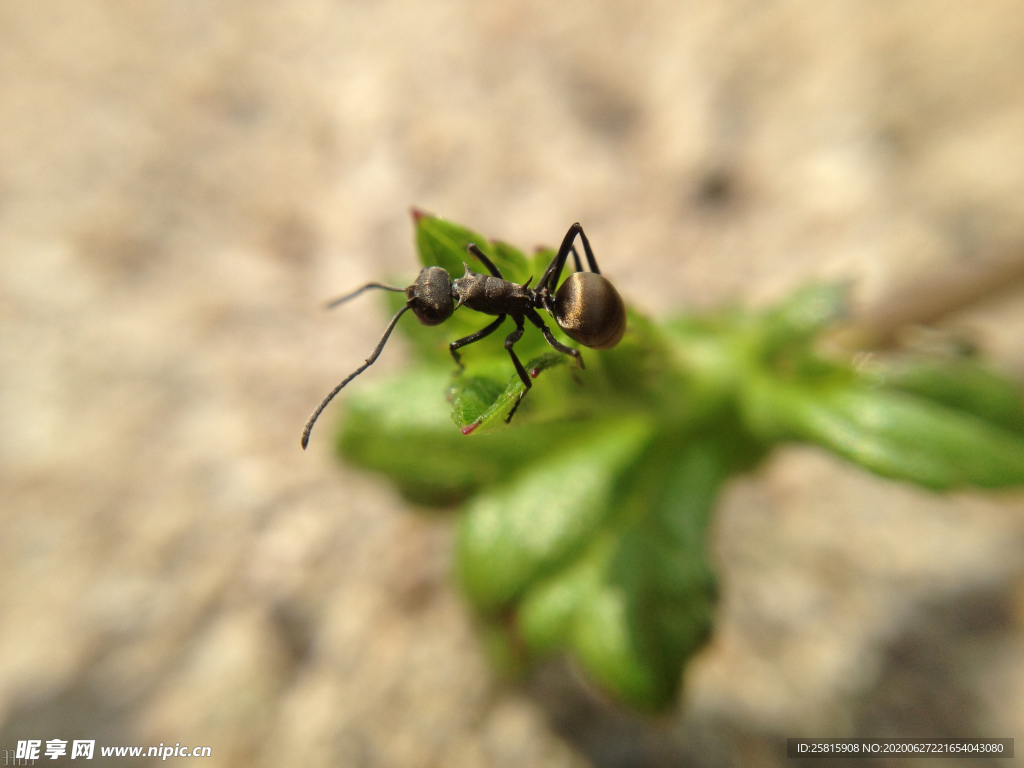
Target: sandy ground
(182, 184)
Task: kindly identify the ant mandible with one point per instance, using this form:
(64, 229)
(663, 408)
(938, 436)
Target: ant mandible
(586, 307)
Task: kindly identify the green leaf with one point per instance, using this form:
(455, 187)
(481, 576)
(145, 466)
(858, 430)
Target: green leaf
(444, 244)
(803, 315)
(585, 529)
(474, 398)
(891, 433)
(614, 647)
(481, 403)
(401, 426)
(640, 367)
(962, 385)
(516, 533)
(638, 602)
(512, 264)
(541, 259)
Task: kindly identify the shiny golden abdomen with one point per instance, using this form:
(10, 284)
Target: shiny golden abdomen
(590, 310)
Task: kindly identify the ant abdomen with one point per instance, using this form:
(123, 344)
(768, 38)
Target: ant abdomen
(590, 310)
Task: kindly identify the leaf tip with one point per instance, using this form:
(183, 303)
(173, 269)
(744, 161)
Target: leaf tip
(418, 213)
(469, 429)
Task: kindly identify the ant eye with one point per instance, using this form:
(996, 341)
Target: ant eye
(590, 310)
(427, 314)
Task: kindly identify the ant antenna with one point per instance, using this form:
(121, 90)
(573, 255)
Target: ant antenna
(342, 299)
(369, 361)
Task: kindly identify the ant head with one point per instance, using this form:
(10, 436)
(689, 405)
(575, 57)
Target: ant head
(590, 310)
(430, 297)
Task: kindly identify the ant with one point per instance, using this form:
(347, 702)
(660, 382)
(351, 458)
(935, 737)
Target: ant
(586, 307)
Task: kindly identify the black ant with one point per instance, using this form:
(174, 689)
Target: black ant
(586, 306)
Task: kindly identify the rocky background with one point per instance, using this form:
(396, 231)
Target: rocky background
(183, 183)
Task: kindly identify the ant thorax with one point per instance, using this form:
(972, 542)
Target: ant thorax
(491, 295)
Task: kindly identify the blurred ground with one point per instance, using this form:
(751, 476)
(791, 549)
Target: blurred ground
(183, 183)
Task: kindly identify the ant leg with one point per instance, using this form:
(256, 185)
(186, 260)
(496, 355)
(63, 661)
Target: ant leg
(537, 321)
(511, 339)
(481, 334)
(590, 253)
(576, 259)
(486, 261)
(554, 270)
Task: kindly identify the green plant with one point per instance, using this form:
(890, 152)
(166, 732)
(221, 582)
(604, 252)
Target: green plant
(582, 525)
